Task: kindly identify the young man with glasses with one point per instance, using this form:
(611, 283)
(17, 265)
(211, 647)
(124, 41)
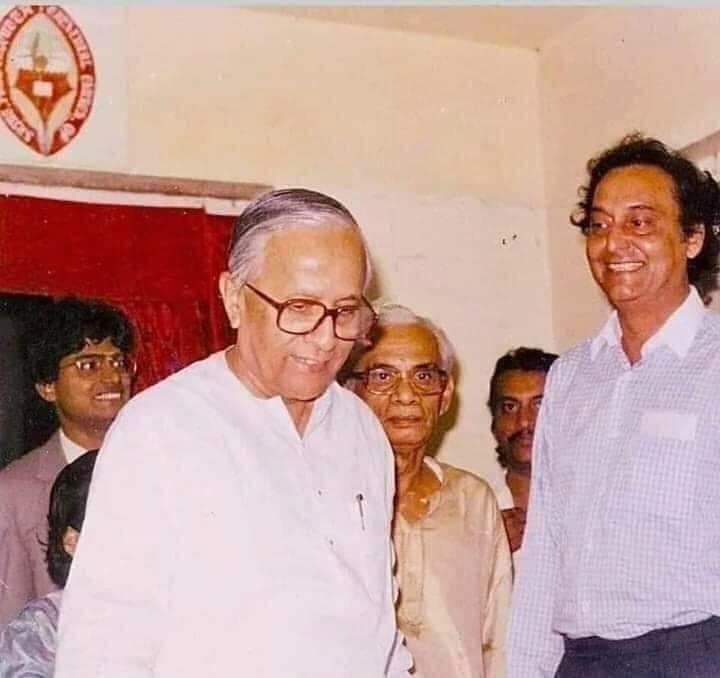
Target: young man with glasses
(453, 567)
(256, 541)
(78, 354)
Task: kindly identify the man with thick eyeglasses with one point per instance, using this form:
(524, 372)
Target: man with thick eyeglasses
(453, 567)
(78, 355)
(257, 539)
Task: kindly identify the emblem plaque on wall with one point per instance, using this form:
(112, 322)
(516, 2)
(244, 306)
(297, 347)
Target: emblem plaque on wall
(48, 76)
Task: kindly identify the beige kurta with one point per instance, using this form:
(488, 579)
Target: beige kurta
(454, 574)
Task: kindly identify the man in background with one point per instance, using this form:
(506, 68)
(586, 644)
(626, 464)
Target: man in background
(516, 391)
(79, 360)
(453, 561)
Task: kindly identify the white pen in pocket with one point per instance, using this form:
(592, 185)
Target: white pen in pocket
(360, 499)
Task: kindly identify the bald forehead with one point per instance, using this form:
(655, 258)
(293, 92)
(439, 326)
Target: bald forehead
(404, 346)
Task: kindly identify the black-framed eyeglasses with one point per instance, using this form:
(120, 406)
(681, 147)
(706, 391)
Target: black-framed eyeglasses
(423, 379)
(351, 320)
(90, 365)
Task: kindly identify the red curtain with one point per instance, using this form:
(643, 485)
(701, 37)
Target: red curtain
(160, 265)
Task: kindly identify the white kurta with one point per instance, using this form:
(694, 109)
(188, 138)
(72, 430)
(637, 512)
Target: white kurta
(218, 542)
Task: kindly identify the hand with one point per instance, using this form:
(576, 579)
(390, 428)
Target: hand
(514, 519)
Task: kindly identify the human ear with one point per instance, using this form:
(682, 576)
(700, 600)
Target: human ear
(46, 391)
(230, 293)
(695, 240)
(447, 395)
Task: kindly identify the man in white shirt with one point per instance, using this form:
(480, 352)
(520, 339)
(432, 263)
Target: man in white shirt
(255, 540)
(516, 391)
(620, 569)
(78, 358)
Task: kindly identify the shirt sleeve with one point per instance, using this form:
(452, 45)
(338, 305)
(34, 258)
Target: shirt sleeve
(534, 649)
(115, 604)
(498, 600)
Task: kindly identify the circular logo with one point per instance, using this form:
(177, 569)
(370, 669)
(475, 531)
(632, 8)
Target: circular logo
(48, 76)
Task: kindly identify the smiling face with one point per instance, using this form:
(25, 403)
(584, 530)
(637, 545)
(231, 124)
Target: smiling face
(325, 264)
(409, 418)
(86, 404)
(635, 244)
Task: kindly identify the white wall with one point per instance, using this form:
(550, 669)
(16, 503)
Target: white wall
(432, 142)
(654, 69)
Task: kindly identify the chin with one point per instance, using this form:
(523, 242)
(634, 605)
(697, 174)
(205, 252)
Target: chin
(405, 437)
(304, 390)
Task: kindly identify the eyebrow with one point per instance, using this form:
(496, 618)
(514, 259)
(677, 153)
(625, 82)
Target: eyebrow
(314, 297)
(635, 206)
(385, 366)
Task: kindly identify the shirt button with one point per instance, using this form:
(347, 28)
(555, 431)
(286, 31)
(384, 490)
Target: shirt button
(331, 542)
(319, 493)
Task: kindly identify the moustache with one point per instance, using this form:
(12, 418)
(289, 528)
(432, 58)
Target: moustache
(518, 434)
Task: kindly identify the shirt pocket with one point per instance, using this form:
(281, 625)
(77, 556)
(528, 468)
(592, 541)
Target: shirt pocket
(664, 465)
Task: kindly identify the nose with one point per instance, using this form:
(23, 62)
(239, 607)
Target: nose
(616, 238)
(324, 334)
(526, 416)
(404, 393)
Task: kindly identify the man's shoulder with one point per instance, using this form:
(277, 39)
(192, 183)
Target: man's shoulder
(348, 407)
(568, 364)
(711, 325)
(468, 481)
(45, 460)
(192, 382)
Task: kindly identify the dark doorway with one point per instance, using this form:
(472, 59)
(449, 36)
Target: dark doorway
(25, 419)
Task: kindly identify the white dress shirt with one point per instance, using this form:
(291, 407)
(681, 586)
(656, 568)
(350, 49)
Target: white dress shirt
(71, 450)
(218, 542)
(623, 531)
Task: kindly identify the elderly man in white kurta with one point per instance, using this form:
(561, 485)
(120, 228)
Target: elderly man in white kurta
(256, 539)
(454, 568)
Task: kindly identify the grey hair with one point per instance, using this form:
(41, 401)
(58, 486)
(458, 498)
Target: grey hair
(395, 314)
(282, 210)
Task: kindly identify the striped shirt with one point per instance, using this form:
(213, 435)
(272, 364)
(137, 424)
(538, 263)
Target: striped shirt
(623, 532)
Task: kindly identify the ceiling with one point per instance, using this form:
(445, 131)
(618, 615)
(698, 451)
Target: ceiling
(519, 26)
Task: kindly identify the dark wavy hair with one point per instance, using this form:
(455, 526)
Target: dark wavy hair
(68, 498)
(65, 327)
(696, 192)
(522, 358)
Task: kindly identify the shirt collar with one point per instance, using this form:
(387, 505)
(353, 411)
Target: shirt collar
(677, 332)
(71, 450)
(435, 467)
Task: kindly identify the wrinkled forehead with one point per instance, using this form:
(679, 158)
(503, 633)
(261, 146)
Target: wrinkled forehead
(402, 347)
